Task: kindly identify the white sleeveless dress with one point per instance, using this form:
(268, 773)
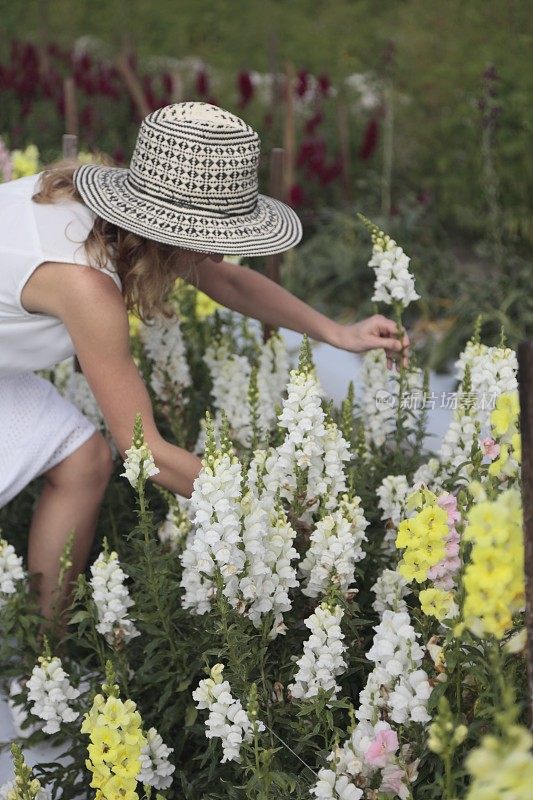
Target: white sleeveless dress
(39, 428)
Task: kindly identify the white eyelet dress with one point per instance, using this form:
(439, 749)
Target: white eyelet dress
(38, 427)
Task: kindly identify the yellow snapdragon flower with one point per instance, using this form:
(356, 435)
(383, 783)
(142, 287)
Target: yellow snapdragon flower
(504, 421)
(494, 578)
(205, 305)
(502, 768)
(25, 162)
(437, 603)
(423, 537)
(116, 742)
(505, 415)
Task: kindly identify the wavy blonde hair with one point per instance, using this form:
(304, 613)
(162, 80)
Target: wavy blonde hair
(147, 269)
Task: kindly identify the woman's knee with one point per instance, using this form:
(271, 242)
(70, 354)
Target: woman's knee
(90, 465)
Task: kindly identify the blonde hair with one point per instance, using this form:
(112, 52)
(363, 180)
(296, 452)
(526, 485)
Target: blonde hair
(147, 269)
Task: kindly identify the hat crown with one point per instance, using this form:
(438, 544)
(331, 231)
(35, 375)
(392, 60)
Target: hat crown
(197, 155)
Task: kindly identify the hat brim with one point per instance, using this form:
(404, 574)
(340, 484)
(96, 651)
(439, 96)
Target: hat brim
(271, 228)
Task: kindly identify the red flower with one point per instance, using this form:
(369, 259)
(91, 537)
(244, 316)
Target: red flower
(302, 83)
(118, 155)
(370, 140)
(328, 172)
(324, 83)
(313, 122)
(149, 93)
(166, 79)
(296, 195)
(202, 83)
(245, 87)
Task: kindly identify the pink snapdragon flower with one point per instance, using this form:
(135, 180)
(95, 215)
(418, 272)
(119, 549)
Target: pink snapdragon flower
(490, 448)
(381, 748)
(442, 574)
(448, 502)
(392, 782)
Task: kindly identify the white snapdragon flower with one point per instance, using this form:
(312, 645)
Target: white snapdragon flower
(138, 458)
(331, 786)
(457, 445)
(392, 493)
(377, 401)
(268, 541)
(322, 660)
(303, 418)
(164, 345)
(397, 657)
(227, 720)
(390, 589)
(230, 376)
(215, 543)
(177, 524)
(408, 700)
(272, 377)
(11, 571)
(428, 474)
(112, 599)
(78, 391)
(394, 647)
(394, 283)
(156, 770)
(336, 545)
(50, 691)
(493, 371)
(327, 477)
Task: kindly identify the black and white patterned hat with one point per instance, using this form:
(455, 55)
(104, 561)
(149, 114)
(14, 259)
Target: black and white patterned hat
(192, 182)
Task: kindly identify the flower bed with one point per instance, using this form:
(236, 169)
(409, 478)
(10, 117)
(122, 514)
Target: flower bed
(332, 614)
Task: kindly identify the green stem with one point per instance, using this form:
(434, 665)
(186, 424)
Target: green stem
(145, 524)
(264, 684)
(449, 782)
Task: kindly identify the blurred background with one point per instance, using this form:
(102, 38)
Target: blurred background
(417, 113)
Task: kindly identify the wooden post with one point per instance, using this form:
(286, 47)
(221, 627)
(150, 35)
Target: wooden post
(71, 110)
(132, 84)
(525, 388)
(69, 145)
(289, 130)
(276, 190)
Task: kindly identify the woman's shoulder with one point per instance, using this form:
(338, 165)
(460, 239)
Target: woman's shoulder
(62, 229)
(54, 285)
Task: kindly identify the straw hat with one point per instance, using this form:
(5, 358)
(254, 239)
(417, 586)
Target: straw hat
(192, 182)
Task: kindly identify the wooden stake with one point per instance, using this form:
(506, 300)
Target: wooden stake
(525, 388)
(289, 130)
(71, 108)
(276, 190)
(133, 84)
(69, 146)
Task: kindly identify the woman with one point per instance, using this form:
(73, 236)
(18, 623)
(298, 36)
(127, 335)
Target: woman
(79, 248)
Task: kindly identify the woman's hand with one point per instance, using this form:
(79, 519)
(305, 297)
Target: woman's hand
(375, 331)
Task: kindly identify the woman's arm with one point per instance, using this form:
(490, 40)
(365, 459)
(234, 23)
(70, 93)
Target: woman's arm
(92, 309)
(248, 292)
